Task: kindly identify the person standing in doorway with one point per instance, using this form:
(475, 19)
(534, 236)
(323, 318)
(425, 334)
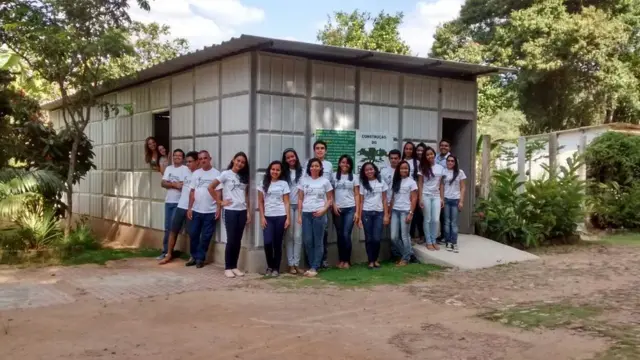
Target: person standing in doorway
(180, 214)
(237, 208)
(273, 202)
(454, 189)
(374, 210)
(173, 180)
(315, 196)
(320, 151)
(441, 159)
(203, 210)
(345, 208)
(431, 192)
(293, 173)
(403, 203)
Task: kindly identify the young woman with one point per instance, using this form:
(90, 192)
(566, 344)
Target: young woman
(314, 199)
(273, 201)
(420, 148)
(163, 161)
(237, 208)
(454, 189)
(409, 155)
(403, 203)
(345, 208)
(374, 210)
(151, 155)
(417, 230)
(431, 196)
(293, 173)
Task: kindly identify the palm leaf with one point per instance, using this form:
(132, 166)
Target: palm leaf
(19, 181)
(13, 205)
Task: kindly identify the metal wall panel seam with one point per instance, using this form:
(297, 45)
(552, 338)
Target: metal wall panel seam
(279, 93)
(440, 119)
(342, 101)
(307, 128)
(401, 94)
(253, 124)
(234, 94)
(356, 115)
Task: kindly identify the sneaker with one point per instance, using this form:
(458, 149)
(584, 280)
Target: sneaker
(311, 273)
(293, 270)
(237, 272)
(455, 248)
(275, 273)
(229, 274)
(401, 263)
(191, 262)
(199, 264)
(413, 259)
(161, 257)
(268, 272)
(449, 246)
(325, 264)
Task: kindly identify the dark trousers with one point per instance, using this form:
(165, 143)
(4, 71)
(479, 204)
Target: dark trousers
(234, 222)
(273, 234)
(372, 222)
(344, 228)
(417, 229)
(201, 231)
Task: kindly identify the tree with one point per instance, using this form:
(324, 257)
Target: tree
(24, 78)
(350, 30)
(70, 44)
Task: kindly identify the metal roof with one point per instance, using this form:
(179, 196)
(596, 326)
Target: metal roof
(347, 56)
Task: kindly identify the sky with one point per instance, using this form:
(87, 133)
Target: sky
(208, 22)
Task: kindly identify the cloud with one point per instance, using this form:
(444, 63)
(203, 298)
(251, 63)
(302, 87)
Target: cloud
(202, 22)
(420, 25)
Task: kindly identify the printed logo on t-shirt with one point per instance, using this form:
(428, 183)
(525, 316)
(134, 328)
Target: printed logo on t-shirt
(203, 182)
(375, 189)
(237, 185)
(311, 191)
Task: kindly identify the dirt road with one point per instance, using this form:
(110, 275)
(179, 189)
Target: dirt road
(135, 310)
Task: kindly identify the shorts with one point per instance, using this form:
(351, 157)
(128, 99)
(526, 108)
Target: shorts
(179, 219)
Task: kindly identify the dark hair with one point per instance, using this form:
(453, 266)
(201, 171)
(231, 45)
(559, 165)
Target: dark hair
(395, 152)
(422, 145)
(244, 173)
(456, 169)
(287, 170)
(413, 158)
(444, 140)
(425, 166)
(364, 181)
(267, 177)
(192, 154)
(350, 161)
(204, 152)
(397, 178)
(148, 153)
(321, 142)
(309, 166)
(180, 151)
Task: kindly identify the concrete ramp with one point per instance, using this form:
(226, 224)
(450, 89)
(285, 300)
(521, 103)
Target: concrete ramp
(476, 252)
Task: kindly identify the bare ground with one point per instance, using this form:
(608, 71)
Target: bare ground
(436, 318)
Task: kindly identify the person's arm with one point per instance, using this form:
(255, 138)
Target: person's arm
(218, 205)
(192, 199)
(287, 209)
(263, 220)
(441, 192)
(356, 196)
(385, 206)
(212, 191)
(414, 200)
(327, 204)
(247, 197)
(420, 187)
(300, 201)
(462, 191)
(165, 183)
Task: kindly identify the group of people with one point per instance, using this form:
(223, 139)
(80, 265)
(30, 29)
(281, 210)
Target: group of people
(295, 200)
(155, 155)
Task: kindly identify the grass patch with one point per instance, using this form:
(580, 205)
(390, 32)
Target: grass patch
(622, 239)
(550, 316)
(101, 256)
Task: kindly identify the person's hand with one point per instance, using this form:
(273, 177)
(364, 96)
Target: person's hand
(226, 203)
(248, 217)
(336, 210)
(190, 214)
(263, 222)
(409, 218)
(218, 213)
(441, 204)
(178, 185)
(360, 225)
(286, 223)
(421, 204)
(386, 220)
(460, 205)
(320, 212)
(356, 218)
(299, 221)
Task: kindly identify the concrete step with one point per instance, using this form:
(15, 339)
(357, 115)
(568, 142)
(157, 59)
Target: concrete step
(476, 252)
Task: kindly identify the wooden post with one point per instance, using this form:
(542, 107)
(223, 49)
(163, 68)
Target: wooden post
(485, 175)
(522, 158)
(553, 154)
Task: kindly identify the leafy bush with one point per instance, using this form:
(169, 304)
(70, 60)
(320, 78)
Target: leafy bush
(546, 212)
(80, 239)
(613, 206)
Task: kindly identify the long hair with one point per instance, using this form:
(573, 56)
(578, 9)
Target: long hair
(350, 162)
(397, 178)
(309, 166)
(148, 153)
(456, 168)
(286, 170)
(364, 181)
(413, 158)
(244, 173)
(266, 182)
(425, 166)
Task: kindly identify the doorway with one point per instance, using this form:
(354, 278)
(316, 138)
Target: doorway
(460, 133)
(161, 129)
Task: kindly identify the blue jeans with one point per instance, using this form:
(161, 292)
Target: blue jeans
(234, 222)
(451, 220)
(169, 209)
(294, 238)
(272, 235)
(344, 228)
(400, 227)
(312, 236)
(201, 231)
(431, 213)
(372, 222)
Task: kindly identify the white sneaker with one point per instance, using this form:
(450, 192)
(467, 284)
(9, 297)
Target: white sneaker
(237, 272)
(311, 273)
(229, 274)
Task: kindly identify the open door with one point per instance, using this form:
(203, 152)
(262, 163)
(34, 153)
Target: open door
(161, 129)
(460, 133)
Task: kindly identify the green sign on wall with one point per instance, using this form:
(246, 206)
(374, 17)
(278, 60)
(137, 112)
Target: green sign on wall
(339, 142)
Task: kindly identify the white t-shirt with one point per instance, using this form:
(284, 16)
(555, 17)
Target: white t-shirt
(452, 191)
(387, 176)
(327, 170)
(411, 167)
(373, 199)
(175, 174)
(344, 195)
(274, 198)
(402, 199)
(293, 195)
(234, 190)
(186, 190)
(200, 181)
(431, 186)
(315, 193)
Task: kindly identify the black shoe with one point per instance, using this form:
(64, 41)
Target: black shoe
(449, 247)
(199, 264)
(191, 262)
(413, 259)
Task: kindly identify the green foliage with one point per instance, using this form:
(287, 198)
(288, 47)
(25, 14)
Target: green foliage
(348, 30)
(25, 78)
(21, 189)
(547, 211)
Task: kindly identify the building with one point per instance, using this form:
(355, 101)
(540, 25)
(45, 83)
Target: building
(262, 95)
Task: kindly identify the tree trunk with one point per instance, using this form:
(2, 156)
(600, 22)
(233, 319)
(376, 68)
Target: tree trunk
(72, 169)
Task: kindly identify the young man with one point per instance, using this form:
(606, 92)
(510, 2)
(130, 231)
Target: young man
(172, 180)
(320, 151)
(203, 211)
(441, 158)
(180, 214)
(387, 176)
